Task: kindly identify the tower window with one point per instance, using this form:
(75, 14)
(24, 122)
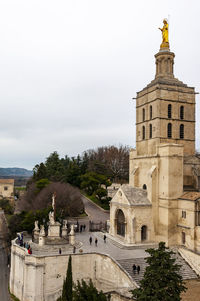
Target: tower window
(183, 238)
(150, 131)
(143, 114)
(183, 214)
(182, 131)
(169, 130)
(150, 112)
(169, 111)
(143, 132)
(182, 112)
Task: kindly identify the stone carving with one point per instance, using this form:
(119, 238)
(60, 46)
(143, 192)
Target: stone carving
(42, 231)
(36, 226)
(64, 224)
(51, 218)
(72, 233)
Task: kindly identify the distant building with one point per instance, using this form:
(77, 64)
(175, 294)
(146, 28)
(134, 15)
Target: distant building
(7, 188)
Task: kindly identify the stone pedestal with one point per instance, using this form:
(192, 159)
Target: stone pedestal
(54, 230)
(64, 232)
(36, 234)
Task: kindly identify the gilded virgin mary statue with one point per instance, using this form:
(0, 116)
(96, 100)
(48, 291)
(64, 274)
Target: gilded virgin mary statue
(165, 36)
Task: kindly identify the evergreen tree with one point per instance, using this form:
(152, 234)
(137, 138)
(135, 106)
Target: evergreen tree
(162, 280)
(68, 283)
(87, 292)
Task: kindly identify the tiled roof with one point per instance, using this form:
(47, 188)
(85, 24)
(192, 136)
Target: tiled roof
(136, 196)
(7, 181)
(191, 195)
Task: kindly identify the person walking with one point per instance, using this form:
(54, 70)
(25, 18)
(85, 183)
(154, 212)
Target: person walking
(96, 241)
(90, 240)
(134, 268)
(104, 238)
(138, 269)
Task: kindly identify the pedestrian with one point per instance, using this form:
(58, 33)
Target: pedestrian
(29, 251)
(138, 269)
(134, 268)
(60, 251)
(84, 226)
(90, 240)
(96, 241)
(104, 238)
(74, 249)
(81, 227)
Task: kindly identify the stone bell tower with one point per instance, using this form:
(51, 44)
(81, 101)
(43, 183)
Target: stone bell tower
(165, 110)
(165, 135)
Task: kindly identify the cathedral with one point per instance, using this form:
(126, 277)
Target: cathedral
(162, 200)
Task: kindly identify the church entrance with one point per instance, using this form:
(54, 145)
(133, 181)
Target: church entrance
(143, 233)
(120, 222)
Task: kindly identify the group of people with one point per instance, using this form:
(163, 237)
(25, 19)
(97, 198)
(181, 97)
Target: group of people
(80, 228)
(96, 240)
(20, 241)
(136, 268)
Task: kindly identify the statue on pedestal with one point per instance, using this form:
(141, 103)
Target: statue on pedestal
(165, 36)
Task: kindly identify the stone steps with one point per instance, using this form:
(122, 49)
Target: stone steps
(121, 245)
(185, 271)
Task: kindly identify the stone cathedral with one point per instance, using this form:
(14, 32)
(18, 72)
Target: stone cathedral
(162, 200)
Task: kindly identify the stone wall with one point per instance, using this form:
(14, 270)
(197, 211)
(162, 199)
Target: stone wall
(40, 278)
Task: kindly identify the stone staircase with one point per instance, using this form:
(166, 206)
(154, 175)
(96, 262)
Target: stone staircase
(186, 271)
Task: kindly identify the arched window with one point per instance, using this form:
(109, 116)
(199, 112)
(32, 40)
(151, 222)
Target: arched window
(182, 112)
(169, 111)
(143, 132)
(120, 218)
(144, 187)
(150, 131)
(150, 112)
(143, 114)
(169, 130)
(182, 131)
(143, 233)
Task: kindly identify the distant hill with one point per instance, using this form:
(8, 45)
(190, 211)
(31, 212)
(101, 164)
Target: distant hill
(15, 172)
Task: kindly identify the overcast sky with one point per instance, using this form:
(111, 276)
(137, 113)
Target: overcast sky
(68, 71)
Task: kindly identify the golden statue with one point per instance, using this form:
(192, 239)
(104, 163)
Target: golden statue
(165, 39)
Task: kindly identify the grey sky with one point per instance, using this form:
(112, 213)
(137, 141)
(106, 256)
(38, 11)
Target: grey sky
(68, 70)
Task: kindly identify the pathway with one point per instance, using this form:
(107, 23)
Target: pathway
(94, 212)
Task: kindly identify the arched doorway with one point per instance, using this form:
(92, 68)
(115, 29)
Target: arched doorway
(144, 233)
(120, 218)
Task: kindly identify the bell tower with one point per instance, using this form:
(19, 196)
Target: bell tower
(165, 139)
(165, 109)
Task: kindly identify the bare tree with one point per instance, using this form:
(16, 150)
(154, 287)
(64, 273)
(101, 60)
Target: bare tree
(68, 199)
